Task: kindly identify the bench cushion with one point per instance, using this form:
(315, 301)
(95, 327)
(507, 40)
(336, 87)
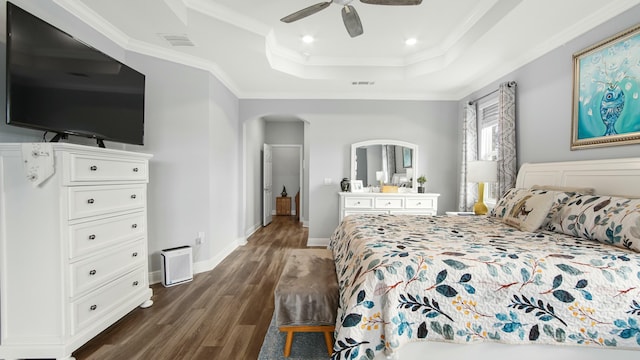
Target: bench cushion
(307, 291)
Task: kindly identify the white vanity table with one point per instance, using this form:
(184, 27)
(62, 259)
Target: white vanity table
(387, 160)
(388, 203)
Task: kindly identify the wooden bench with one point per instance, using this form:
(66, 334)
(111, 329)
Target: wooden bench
(306, 296)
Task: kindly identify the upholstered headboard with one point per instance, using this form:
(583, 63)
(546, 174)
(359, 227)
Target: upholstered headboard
(608, 177)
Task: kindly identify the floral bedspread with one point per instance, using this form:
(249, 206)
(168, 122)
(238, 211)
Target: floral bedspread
(465, 279)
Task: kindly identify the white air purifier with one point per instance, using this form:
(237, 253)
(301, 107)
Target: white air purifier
(177, 265)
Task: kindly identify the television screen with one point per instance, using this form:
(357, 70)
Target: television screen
(59, 84)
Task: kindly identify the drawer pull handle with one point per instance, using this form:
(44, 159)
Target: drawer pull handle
(135, 254)
(91, 201)
(419, 203)
(92, 237)
(133, 196)
(134, 226)
(93, 168)
(92, 272)
(358, 203)
(389, 203)
(93, 307)
(135, 283)
(135, 169)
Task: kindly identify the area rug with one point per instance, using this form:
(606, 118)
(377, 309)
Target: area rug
(306, 346)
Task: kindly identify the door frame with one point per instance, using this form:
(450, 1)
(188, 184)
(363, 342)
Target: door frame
(301, 172)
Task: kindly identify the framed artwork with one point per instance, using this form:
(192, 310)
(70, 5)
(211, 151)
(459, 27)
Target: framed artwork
(406, 157)
(606, 84)
(356, 186)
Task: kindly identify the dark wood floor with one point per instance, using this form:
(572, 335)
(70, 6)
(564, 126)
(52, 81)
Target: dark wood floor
(221, 314)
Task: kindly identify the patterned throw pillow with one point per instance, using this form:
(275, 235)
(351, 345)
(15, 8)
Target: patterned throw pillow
(560, 198)
(608, 219)
(525, 209)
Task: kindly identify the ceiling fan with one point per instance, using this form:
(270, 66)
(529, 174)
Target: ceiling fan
(349, 14)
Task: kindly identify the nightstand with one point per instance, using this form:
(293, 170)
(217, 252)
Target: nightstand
(283, 205)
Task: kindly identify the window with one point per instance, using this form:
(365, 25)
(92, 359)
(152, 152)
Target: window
(488, 140)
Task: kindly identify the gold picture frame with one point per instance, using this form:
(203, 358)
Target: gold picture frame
(606, 83)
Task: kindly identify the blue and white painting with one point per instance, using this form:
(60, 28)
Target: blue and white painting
(608, 90)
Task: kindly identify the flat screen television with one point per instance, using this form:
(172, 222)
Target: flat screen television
(59, 84)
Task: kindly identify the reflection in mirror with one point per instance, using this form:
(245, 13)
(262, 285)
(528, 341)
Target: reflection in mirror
(388, 162)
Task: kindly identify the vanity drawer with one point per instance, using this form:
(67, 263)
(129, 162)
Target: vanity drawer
(102, 268)
(389, 203)
(420, 203)
(87, 201)
(92, 308)
(87, 237)
(97, 168)
(358, 202)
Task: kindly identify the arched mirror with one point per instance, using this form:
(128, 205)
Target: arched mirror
(390, 161)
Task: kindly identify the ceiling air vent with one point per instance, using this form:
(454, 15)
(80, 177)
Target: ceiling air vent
(177, 39)
(359, 83)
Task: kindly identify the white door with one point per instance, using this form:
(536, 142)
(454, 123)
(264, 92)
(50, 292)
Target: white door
(267, 191)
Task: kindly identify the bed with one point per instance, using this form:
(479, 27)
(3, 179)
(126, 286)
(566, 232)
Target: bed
(454, 286)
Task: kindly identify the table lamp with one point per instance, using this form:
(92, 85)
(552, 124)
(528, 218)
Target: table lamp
(481, 172)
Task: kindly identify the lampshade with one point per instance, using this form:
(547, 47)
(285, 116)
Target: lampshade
(482, 171)
(379, 175)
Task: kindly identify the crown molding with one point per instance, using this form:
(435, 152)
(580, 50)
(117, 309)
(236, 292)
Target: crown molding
(295, 63)
(91, 18)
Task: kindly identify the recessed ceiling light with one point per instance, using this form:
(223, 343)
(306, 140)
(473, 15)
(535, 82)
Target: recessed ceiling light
(307, 39)
(411, 41)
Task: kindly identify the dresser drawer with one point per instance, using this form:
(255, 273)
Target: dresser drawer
(358, 202)
(96, 168)
(101, 302)
(87, 201)
(357, 212)
(87, 237)
(389, 203)
(102, 268)
(420, 203)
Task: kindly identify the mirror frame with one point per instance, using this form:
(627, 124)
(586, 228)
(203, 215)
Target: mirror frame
(414, 147)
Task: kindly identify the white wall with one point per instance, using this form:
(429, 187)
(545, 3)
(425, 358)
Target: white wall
(253, 139)
(333, 125)
(544, 100)
(177, 134)
(225, 173)
(192, 130)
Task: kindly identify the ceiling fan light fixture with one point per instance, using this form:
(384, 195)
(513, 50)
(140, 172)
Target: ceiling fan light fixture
(350, 16)
(411, 41)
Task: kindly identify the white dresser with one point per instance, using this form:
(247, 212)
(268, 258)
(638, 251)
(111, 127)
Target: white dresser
(73, 250)
(387, 203)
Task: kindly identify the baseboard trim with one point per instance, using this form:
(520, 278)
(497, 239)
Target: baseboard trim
(318, 242)
(252, 230)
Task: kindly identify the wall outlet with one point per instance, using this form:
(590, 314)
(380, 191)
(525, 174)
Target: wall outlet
(200, 238)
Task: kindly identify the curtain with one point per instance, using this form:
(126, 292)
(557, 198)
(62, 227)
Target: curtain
(507, 159)
(468, 192)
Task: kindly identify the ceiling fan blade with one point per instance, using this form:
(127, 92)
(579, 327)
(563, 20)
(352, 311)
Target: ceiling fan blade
(305, 12)
(351, 21)
(392, 2)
